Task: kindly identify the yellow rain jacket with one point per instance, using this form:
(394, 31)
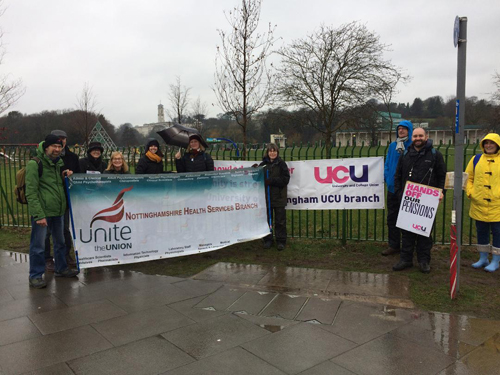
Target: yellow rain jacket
(483, 185)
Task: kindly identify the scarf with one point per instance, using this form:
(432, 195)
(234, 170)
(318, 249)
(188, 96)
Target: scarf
(153, 157)
(400, 144)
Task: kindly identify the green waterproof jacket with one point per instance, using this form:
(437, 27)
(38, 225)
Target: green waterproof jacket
(45, 195)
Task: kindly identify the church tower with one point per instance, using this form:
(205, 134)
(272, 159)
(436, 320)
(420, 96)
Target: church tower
(161, 113)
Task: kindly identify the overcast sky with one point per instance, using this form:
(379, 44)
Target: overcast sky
(130, 51)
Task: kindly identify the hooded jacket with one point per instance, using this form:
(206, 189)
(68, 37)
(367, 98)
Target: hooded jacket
(45, 194)
(391, 160)
(279, 177)
(483, 184)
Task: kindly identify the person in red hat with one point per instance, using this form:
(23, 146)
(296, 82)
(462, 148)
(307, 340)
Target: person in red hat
(195, 159)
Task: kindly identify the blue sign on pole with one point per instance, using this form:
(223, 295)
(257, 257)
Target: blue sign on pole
(457, 111)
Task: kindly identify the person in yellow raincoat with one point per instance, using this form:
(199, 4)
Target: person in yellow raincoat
(483, 190)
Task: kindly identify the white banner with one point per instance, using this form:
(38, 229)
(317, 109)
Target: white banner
(330, 184)
(418, 208)
(135, 218)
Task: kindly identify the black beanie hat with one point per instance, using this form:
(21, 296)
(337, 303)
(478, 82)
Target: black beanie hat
(95, 146)
(51, 139)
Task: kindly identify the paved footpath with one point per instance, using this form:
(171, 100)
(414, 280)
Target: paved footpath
(232, 319)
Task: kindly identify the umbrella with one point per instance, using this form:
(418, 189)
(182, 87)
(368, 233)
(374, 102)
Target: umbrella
(178, 135)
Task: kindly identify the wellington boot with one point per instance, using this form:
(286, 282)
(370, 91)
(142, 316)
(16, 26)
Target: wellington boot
(494, 263)
(483, 261)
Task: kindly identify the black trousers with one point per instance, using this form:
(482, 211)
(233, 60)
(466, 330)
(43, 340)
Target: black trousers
(392, 217)
(422, 244)
(278, 223)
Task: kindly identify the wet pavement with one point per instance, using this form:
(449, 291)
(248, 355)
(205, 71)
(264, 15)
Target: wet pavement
(232, 319)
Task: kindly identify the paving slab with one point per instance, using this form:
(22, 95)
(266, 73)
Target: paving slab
(320, 310)
(327, 368)
(153, 355)
(473, 331)
(142, 324)
(75, 316)
(363, 322)
(392, 355)
(214, 336)
(298, 347)
(269, 324)
(484, 360)
(153, 297)
(252, 302)
(58, 369)
(8, 258)
(198, 287)
(233, 273)
(198, 315)
(24, 307)
(371, 284)
(284, 306)
(222, 298)
(17, 329)
(51, 349)
(231, 362)
(5, 296)
(298, 278)
(439, 339)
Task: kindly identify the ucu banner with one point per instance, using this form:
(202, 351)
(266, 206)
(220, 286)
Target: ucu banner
(330, 184)
(341, 174)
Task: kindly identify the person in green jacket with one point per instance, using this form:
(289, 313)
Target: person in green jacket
(46, 206)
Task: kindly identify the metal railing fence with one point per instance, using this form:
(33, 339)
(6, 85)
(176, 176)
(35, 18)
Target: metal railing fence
(367, 225)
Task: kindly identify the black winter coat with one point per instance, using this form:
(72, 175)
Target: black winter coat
(70, 160)
(202, 162)
(423, 167)
(148, 166)
(279, 177)
(87, 165)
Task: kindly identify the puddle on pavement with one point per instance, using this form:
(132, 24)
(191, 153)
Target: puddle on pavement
(11, 257)
(272, 328)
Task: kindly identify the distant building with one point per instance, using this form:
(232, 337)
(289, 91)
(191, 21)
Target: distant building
(386, 132)
(279, 139)
(146, 129)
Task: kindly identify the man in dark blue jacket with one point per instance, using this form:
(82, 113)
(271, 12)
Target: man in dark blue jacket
(404, 132)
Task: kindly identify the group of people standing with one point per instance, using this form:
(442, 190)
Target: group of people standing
(412, 157)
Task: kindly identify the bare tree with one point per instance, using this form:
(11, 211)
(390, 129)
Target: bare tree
(332, 70)
(387, 92)
(10, 89)
(179, 100)
(85, 116)
(496, 81)
(243, 80)
(199, 114)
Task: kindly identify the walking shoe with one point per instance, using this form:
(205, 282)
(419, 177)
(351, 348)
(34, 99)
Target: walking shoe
(390, 251)
(425, 267)
(50, 266)
(70, 261)
(401, 265)
(281, 246)
(67, 273)
(268, 244)
(38, 283)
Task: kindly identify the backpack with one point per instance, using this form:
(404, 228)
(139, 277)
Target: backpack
(476, 160)
(20, 189)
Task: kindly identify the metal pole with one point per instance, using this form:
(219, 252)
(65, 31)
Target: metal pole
(459, 145)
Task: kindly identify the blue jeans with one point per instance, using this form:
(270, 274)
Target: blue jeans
(484, 228)
(37, 246)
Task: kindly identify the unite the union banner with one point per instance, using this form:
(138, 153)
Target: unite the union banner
(330, 184)
(134, 218)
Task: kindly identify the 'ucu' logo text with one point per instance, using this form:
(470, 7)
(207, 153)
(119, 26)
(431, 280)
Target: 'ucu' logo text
(341, 174)
(419, 227)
